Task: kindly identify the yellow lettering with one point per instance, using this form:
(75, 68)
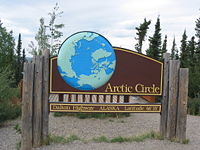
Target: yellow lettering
(109, 88)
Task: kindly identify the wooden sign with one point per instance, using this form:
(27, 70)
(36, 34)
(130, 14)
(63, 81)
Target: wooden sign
(84, 107)
(134, 74)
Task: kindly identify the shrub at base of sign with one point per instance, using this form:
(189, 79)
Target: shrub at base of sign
(194, 106)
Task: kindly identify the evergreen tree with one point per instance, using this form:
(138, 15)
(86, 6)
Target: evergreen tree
(164, 47)
(184, 54)
(174, 51)
(197, 29)
(191, 50)
(194, 72)
(141, 33)
(154, 50)
(23, 59)
(18, 73)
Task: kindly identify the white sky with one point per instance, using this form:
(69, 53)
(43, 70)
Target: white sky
(114, 19)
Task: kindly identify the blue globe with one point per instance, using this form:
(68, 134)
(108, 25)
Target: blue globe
(86, 60)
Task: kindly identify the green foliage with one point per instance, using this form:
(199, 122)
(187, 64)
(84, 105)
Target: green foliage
(54, 139)
(48, 36)
(141, 33)
(7, 57)
(101, 139)
(55, 33)
(154, 50)
(174, 51)
(19, 63)
(18, 129)
(120, 139)
(72, 138)
(18, 145)
(194, 106)
(92, 115)
(186, 141)
(7, 109)
(184, 56)
(164, 47)
(41, 38)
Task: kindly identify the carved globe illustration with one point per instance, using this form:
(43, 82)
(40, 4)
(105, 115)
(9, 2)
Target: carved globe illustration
(86, 60)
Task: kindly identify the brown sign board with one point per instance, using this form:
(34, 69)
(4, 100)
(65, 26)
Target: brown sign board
(84, 107)
(135, 74)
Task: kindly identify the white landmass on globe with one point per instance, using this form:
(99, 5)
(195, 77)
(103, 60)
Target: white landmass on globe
(100, 53)
(94, 79)
(99, 74)
(65, 58)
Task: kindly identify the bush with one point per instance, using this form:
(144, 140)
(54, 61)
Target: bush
(7, 109)
(194, 106)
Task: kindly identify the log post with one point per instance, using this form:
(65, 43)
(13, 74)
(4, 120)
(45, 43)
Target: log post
(37, 105)
(45, 99)
(182, 105)
(27, 106)
(164, 111)
(174, 66)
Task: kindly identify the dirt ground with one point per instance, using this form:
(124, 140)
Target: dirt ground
(136, 124)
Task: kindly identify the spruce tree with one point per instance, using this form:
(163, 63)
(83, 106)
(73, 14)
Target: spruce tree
(23, 58)
(194, 74)
(18, 73)
(154, 50)
(174, 51)
(164, 47)
(184, 54)
(191, 49)
(197, 29)
(141, 33)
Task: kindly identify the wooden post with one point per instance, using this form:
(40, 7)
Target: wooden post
(37, 109)
(118, 98)
(164, 111)
(126, 98)
(182, 105)
(27, 105)
(174, 66)
(60, 97)
(45, 99)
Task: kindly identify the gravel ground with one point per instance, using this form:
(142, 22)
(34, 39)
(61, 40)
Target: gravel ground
(136, 124)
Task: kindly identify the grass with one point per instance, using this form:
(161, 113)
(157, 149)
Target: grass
(54, 139)
(18, 129)
(92, 115)
(103, 139)
(119, 139)
(186, 141)
(18, 145)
